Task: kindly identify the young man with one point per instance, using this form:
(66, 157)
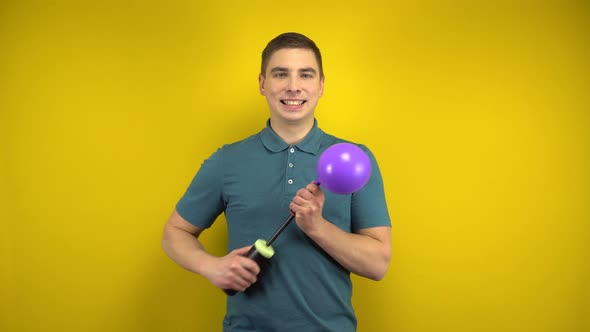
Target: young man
(256, 182)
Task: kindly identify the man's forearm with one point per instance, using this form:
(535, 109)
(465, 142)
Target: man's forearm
(184, 249)
(366, 254)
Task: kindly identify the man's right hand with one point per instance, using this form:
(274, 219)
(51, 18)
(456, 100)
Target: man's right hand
(234, 271)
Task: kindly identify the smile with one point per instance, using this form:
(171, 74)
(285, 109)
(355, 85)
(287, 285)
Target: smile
(292, 102)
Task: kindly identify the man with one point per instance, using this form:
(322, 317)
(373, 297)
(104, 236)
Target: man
(256, 182)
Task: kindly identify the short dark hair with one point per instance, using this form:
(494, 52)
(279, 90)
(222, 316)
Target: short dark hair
(290, 40)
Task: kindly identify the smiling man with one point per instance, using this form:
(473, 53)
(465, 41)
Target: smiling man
(255, 183)
(293, 83)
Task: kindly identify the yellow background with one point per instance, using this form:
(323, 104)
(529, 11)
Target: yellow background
(478, 112)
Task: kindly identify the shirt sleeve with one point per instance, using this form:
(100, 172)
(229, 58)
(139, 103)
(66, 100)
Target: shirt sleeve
(369, 207)
(203, 201)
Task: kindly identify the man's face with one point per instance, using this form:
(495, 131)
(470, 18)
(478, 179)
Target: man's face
(292, 85)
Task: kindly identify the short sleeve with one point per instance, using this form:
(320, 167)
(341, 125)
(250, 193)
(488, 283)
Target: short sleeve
(203, 201)
(369, 207)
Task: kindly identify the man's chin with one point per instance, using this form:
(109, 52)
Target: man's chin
(293, 117)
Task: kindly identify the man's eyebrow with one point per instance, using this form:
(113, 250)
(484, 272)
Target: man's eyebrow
(307, 70)
(285, 69)
(278, 69)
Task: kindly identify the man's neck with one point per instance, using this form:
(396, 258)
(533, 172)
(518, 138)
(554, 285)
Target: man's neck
(292, 133)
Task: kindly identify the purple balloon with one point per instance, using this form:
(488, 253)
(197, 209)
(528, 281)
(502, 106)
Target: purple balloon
(343, 168)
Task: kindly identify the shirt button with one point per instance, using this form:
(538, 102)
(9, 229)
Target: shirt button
(290, 164)
(290, 181)
(292, 150)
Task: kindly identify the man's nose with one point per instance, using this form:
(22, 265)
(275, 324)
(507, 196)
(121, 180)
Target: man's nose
(293, 84)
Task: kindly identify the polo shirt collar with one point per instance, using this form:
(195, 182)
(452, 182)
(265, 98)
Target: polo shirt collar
(310, 143)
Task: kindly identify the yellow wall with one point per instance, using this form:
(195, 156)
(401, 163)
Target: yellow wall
(478, 113)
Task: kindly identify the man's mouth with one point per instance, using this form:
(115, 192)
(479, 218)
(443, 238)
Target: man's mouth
(289, 102)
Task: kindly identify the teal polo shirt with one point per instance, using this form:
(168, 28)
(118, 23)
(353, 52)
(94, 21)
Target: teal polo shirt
(253, 182)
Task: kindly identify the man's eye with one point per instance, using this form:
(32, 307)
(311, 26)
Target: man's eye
(307, 76)
(280, 75)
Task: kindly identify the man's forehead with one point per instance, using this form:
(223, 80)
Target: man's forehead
(293, 59)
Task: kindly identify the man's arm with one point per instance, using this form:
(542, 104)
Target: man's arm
(180, 242)
(366, 252)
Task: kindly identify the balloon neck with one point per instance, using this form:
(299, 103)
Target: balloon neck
(316, 182)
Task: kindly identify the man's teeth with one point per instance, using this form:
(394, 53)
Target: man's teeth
(293, 102)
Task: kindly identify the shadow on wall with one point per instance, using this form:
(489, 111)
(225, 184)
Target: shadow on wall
(174, 299)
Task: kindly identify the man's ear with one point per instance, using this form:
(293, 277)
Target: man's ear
(322, 86)
(261, 84)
